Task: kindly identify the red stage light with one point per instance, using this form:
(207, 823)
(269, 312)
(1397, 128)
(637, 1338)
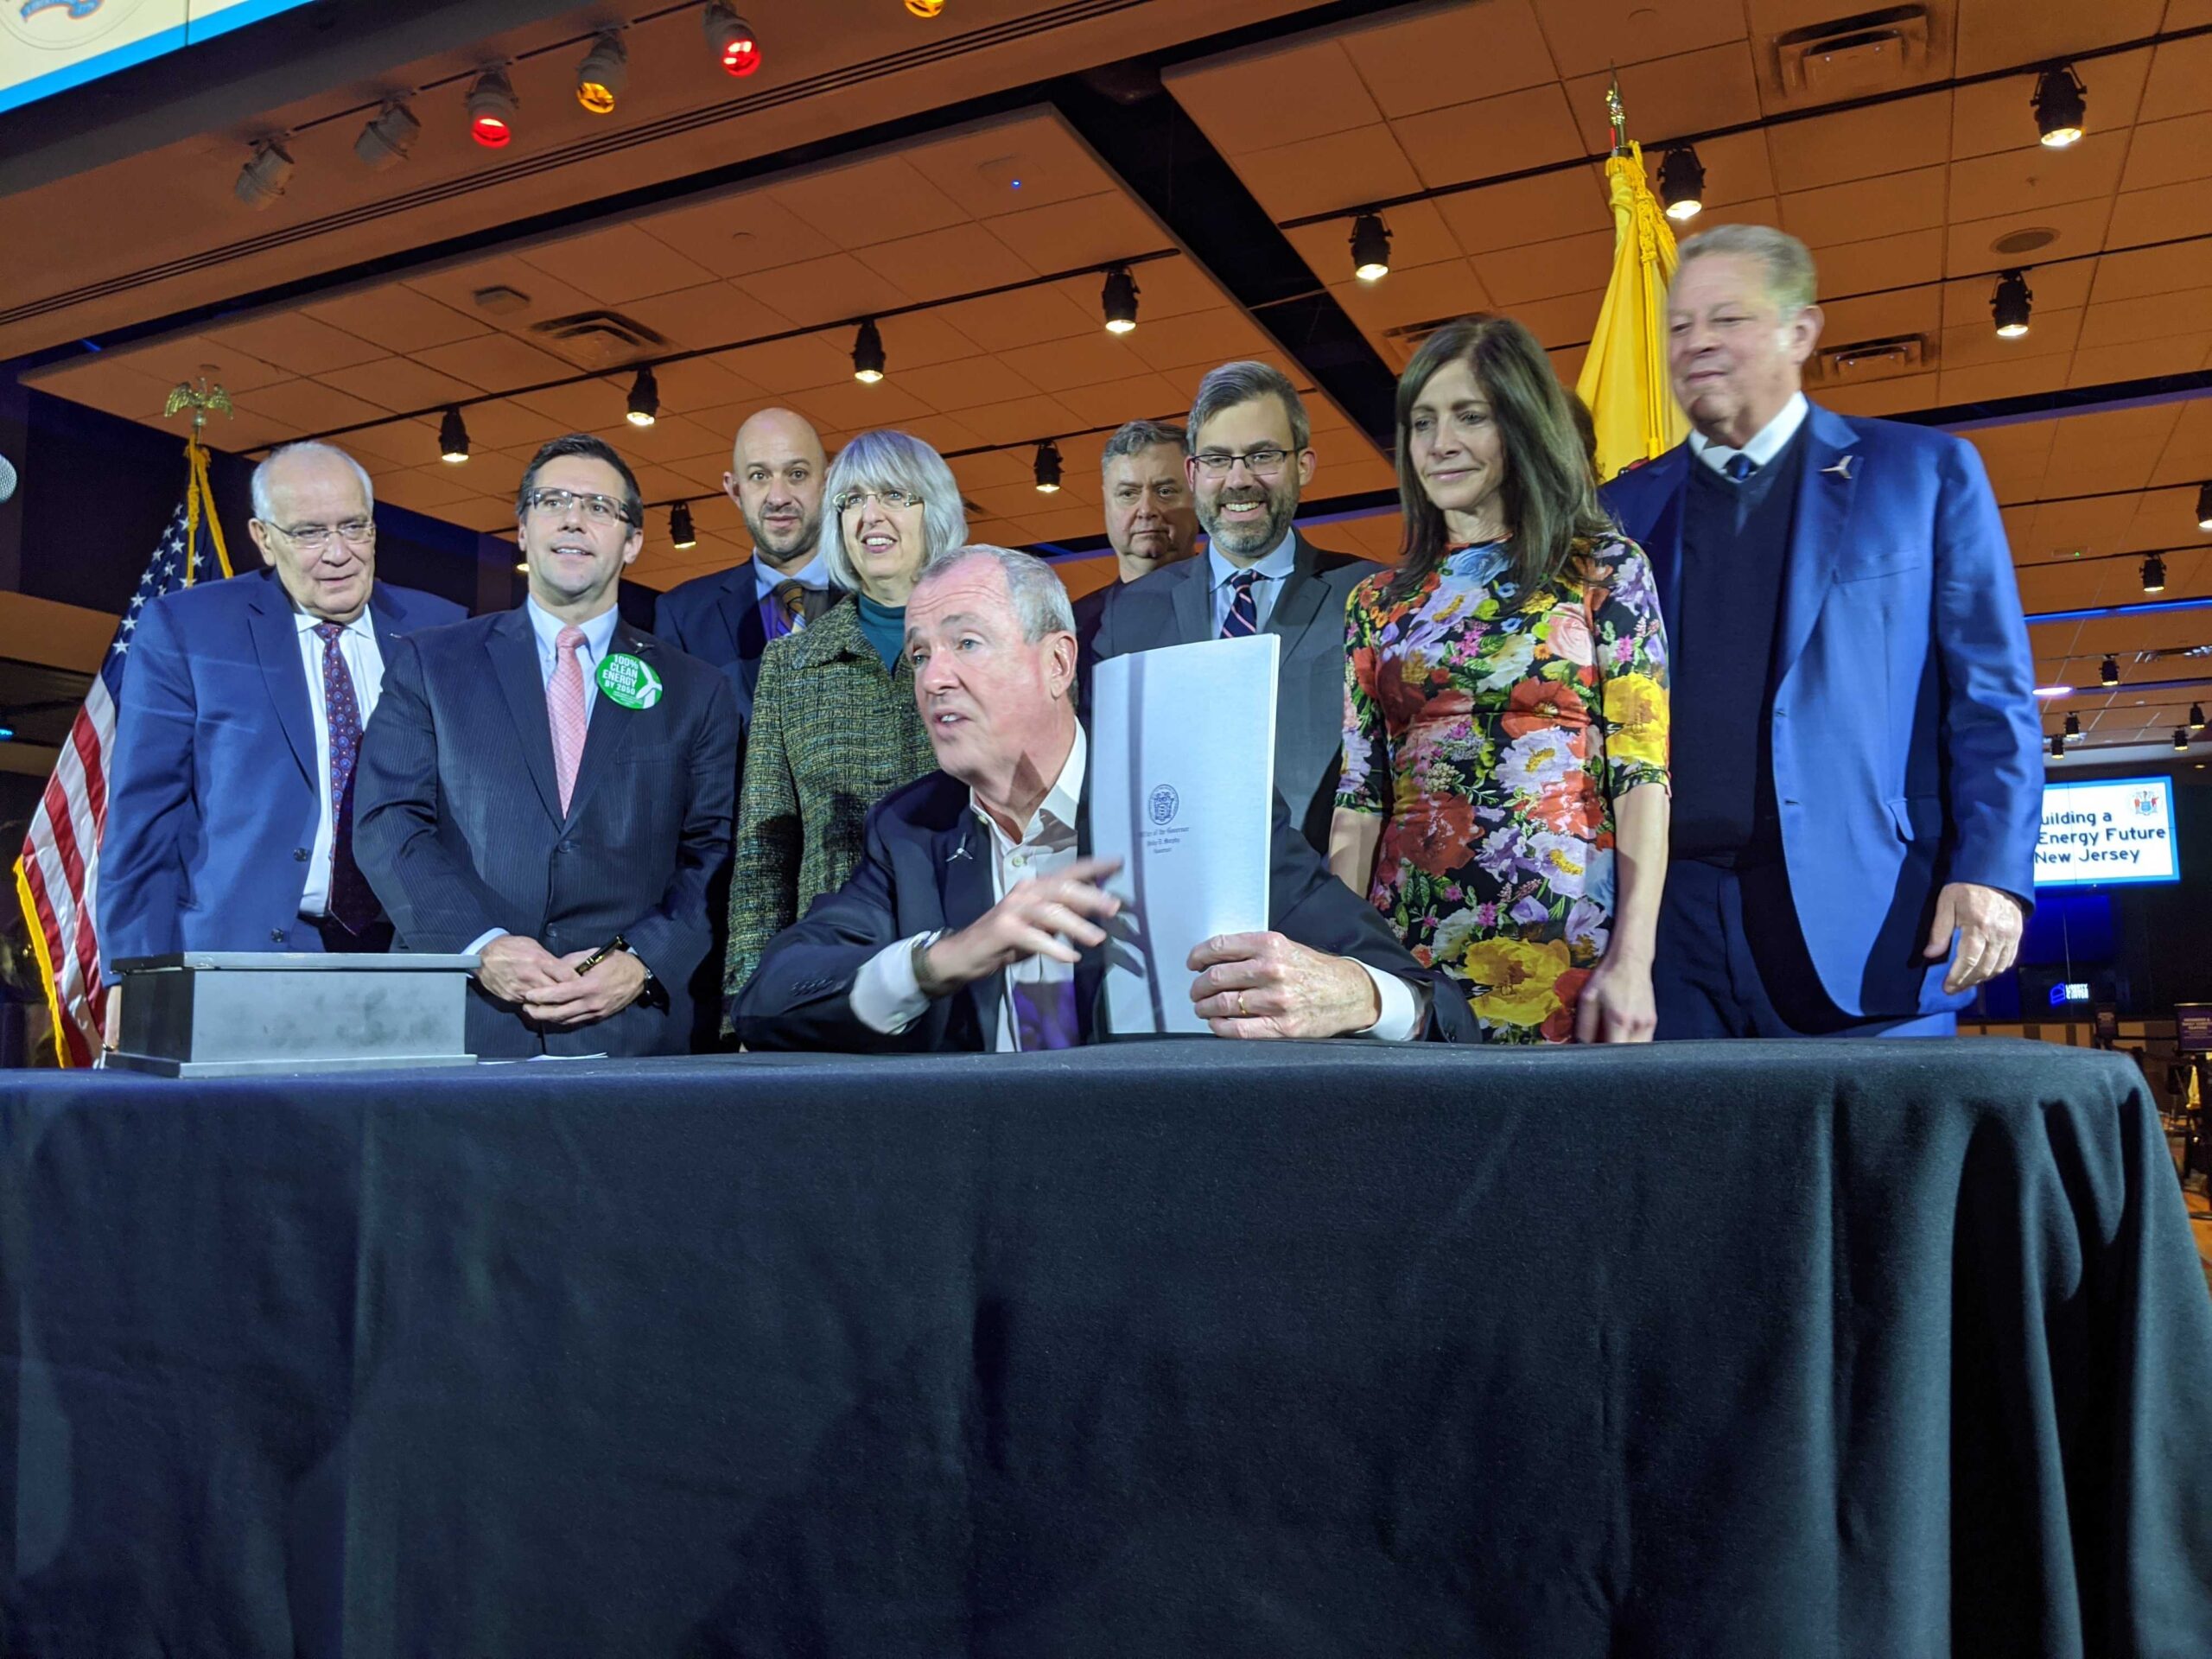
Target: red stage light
(490, 131)
(491, 106)
(732, 38)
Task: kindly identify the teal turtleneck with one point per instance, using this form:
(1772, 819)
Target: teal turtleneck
(885, 628)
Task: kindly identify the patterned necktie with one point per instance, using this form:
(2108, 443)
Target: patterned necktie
(352, 903)
(787, 608)
(564, 709)
(1243, 618)
(1738, 468)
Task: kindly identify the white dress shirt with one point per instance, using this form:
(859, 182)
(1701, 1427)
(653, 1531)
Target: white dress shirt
(1272, 571)
(886, 997)
(1763, 448)
(599, 633)
(364, 661)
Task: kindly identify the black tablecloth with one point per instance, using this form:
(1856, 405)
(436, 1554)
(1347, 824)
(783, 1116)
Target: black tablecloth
(1770, 1350)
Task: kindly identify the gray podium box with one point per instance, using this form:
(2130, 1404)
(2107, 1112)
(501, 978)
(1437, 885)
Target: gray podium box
(229, 1014)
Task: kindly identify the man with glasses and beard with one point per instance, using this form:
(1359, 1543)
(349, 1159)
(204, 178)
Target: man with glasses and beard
(776, 465)
(550, 790)
(1250, 456)
(230, 823)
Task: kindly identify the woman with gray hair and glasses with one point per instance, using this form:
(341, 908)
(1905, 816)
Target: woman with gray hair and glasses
(835, 728)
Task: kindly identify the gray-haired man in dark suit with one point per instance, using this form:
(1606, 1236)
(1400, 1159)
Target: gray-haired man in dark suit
(552, 789)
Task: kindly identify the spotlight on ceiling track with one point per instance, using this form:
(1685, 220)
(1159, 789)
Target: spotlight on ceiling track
(2073, 725)
(868, 360)
(603, 74)
(681, 532)
(453, 436)
(1681, 183)
(2195, 716)
(2181, 737)
(644, 398)
(492, 108)
(2108, 671)
(2061, 104)
(926, 8)
(2154, 575)
(1371, 248)
(1048, 468)
(733, 40)
(389, 134)
(2012, 304)
(2204, 506)
(2058, 746)
(1118, 299)
(263, 179)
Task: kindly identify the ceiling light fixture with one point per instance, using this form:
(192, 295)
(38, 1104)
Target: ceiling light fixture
(2181, 738)
(644, 398)
(2073, 725)
(2205, 506)
(603, 74)
(926, 8)
(681, 532)
(2058, 746)
(2060, 103)
(1371, 248)
(1048, 468)
(1119, 301)
(1681, 183)
(2154, 575)
(2195, 716)
(732, 38)
(491, 109)
(2053, 690)
(868, 362)
(2012, 304)
(2108, 671)
(263, 179)
(389, 134)
(453, 436)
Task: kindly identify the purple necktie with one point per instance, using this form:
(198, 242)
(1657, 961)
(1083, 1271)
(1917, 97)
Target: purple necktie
(352, 904)
(1243, 618)
(784, 609)
(1043, 1015)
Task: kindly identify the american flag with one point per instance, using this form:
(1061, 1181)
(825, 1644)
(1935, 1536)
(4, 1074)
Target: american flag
(57, 877)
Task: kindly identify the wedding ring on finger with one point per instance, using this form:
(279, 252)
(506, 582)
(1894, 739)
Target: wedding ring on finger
(1240, 1005)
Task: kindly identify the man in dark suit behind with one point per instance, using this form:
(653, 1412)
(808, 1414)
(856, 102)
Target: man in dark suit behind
(973, 921)
(1150, 521)
(552, 790)
(230, 808)
(1251, 455)
(727, 619)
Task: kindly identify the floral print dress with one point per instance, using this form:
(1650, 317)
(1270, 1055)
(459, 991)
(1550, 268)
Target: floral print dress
(1493, 732)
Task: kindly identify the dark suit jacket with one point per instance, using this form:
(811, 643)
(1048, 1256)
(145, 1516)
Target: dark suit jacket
(458, 826)
(1174, 606)
(909, 882)
(215, 793)
(1090, 611)
(1907, 748)
(716, 618)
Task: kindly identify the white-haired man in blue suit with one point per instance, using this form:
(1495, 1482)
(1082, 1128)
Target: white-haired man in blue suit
(1857, 764)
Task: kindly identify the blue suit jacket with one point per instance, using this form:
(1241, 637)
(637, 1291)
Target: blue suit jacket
(927, 865)
(716, 618)
(458, 822)
(1907, 748)
(214, 795)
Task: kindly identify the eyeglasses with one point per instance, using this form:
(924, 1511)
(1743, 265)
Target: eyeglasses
(600, 509)
(892, 500)
(1264, 462)
(312, 539)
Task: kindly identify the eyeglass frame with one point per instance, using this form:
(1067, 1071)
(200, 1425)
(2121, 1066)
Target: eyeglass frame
(618, 512)
(845, 500)
(312, 539)
(1217, 464)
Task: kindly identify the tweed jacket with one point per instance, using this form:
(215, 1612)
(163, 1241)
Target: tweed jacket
(833, 733)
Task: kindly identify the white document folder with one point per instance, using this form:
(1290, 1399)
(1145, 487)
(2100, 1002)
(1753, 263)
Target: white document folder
(1182, 779)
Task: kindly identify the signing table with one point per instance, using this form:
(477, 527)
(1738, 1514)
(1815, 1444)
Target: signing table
(1173, 1349)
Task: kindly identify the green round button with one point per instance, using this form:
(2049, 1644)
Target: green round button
(629, 682)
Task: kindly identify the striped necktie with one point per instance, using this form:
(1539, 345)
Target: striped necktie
(1243, 619)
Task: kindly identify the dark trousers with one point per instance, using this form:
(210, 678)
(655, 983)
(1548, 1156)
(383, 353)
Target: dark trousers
(1730, 961)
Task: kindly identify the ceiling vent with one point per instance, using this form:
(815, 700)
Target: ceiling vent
(1856, 57)
(501, 301)
(1872, 359)
(599, 340)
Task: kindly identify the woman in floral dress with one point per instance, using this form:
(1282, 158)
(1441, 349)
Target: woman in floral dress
(1503, 800)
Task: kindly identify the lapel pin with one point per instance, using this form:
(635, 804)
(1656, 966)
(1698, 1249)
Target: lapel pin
(959, 853)
(1842, 468)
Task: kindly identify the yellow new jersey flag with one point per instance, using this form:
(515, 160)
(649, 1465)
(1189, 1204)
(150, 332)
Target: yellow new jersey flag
(1623, 379)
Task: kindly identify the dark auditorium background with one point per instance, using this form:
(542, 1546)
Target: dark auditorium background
(968, 180)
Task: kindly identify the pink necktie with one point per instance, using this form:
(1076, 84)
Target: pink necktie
(564, 707)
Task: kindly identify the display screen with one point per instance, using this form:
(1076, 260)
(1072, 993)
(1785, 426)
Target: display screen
(50, 46)
(2107, 833)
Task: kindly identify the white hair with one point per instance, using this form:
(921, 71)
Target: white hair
(307, 450)
(882, 461)
(1791, 280)
(1041, 598)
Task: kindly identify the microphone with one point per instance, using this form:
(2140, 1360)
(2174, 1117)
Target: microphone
(7, 479)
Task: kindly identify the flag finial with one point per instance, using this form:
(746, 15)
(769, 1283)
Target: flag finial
(199, 397)
(1616, 117)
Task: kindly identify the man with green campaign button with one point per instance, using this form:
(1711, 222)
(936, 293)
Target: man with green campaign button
(551, 790)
